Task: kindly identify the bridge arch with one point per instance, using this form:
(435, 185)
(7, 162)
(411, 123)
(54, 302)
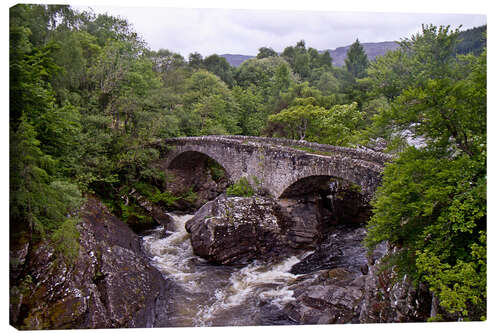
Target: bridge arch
(309, 172)
(184, 159)
(336, 200)
(307, 185)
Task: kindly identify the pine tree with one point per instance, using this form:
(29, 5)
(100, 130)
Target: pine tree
(356, 61)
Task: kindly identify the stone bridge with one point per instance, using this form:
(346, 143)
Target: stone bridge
(280, 167)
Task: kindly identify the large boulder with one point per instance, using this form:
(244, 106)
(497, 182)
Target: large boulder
(327, 297)
(236, 230)
(110, 283)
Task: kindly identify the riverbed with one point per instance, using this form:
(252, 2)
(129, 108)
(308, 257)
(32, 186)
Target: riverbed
(204, 294)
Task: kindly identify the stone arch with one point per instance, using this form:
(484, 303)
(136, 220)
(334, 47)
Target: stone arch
(337, 200)
(184, 158)
(195, 177)
(306, 185)
(312, 179)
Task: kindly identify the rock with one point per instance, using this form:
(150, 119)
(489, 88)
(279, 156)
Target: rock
(389, 300)
(330, 298)
(236, 230)
(110, 284)
(156, 212)
(364, 269)
(338, 273)
(305, 228)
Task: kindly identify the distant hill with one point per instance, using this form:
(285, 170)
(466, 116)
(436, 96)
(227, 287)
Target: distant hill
(372, 50)
(472, 41)
(236, 59)
(338, 55)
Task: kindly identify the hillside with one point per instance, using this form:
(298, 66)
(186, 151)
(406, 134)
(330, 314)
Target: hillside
(338, 55)
(372, 50)
(236, 59)
(472, 40)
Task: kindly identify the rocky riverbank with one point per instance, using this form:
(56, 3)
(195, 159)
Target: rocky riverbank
(114, 283)
(110, 284)
(336, 283)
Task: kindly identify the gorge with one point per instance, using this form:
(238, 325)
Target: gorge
(260, 259)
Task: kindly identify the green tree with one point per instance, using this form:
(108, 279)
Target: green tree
(252, 116)
(195, 60)
(124, 80)
(270, 75)
(209, 107)
(472, 41)
(165, 61)
(305, 119)
(327, 83)
(390, 74)
(38, 202)
(265, 52)
(432, 202)
(356, 61)
(219, 66)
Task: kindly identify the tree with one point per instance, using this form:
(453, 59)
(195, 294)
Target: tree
(356, 61)
(325, 60)
(390, 74)
(432, 202)
(265, 52)
(305, 119)
(251, 114)
(270, 75)
(472, 41)
(165, 61)
(327, 83)
(124, 79)
(220, 67)
(195, 60)
(208, 106)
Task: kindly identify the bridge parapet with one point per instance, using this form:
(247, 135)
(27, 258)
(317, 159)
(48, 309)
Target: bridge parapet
(294, 145)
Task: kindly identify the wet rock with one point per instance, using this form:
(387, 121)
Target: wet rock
(341, 248)
(305, 226)
(341, 284)
(388, 300)
(236, 230)
(109, 284)
(327, 298)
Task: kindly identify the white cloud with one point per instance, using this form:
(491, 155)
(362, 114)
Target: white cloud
(209, 31)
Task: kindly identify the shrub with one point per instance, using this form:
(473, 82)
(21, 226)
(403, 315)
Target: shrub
(66, 239)
(241, 188)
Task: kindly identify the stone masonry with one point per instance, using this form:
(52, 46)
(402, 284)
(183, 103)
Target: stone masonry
(273, 164)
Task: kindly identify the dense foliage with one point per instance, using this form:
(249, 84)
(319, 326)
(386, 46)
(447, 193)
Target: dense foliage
(432, 203)
(88, 99)
(472, 41)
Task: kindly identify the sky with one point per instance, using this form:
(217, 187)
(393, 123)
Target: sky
(244, 31)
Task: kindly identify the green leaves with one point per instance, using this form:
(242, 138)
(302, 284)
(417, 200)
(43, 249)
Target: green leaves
(209, 106)
(432, 202)
(306, 120)
(461, 287)
(242, 188)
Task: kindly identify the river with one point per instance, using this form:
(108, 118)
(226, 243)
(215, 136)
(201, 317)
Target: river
(203, 294)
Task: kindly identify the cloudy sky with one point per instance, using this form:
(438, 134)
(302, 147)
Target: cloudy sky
(243, 31)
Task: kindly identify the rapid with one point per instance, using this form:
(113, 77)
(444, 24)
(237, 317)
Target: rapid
(203, 294)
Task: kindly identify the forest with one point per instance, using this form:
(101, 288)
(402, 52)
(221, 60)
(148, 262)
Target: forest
(89, 101)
